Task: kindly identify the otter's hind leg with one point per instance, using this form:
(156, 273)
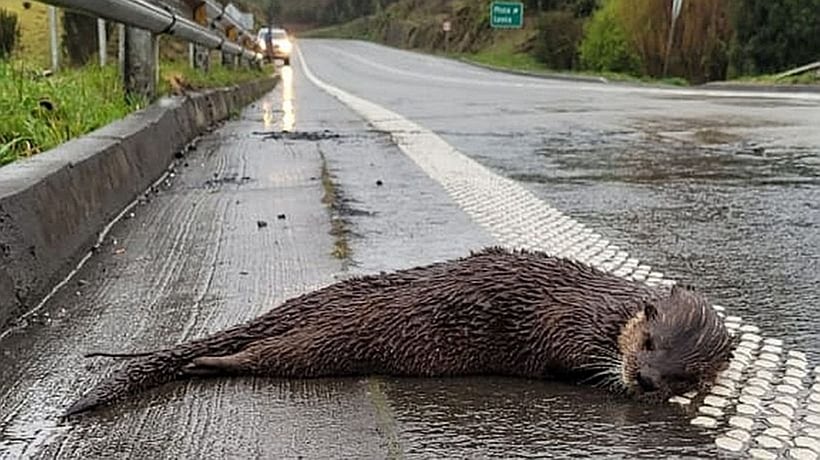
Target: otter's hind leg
(218, 365)
(302, 354)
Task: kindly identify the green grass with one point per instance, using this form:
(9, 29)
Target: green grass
(179, 75)
(505, 60)
(331, 199)
(808, 78)
(38, 113)
(526, 62)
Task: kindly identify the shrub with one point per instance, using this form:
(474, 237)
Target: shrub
(559, 34)
(9, 33)
(605, 46)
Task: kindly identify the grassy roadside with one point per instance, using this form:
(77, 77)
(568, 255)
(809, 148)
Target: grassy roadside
(808, 78)
(178, 76)
(504, 56)
(38, 113)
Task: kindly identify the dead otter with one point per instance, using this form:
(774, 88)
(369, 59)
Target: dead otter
(514, 313)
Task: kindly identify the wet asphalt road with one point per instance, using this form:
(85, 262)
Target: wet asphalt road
(721, 193)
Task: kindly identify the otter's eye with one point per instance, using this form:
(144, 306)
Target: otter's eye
(647, 344)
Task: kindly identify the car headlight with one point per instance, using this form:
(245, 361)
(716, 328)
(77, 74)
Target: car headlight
(286, 46)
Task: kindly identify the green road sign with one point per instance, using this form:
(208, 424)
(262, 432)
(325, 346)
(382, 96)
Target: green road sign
(506, 15)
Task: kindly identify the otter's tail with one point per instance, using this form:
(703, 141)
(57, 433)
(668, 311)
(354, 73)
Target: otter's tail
(140, 374)
(147, 370)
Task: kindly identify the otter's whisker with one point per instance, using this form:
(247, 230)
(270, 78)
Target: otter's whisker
(604, 351)
(600, 365)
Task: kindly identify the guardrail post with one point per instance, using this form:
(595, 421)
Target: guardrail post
(102, 41)
(228, 60)
(139, 64)
(241, 60)
(157, 69)
(54, 38)
(201, 54)
(121, 47)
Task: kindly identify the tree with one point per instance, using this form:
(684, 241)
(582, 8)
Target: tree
(701, 39)
(773, 35)
(580, 8)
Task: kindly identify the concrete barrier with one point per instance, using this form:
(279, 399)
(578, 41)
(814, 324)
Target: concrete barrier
(53, 205)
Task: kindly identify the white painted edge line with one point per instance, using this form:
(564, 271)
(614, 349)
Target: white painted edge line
(519, 219)
(524, 81)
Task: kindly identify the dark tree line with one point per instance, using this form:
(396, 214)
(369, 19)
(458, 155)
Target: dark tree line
(329, 12)
(771, 35)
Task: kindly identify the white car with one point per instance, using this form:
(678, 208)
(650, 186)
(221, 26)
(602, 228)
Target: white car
(281, 46)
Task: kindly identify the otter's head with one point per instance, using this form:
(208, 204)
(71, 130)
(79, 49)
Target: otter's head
(673, 345)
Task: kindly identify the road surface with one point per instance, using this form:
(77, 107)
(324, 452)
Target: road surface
(719, 190)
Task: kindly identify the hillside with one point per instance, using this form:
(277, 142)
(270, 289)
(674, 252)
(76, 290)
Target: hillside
(417, 24)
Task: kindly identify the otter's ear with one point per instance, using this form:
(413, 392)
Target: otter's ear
(649, 310)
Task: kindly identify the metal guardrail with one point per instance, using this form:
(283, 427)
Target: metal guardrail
(158, 20)
(799, 70)
(219, 14)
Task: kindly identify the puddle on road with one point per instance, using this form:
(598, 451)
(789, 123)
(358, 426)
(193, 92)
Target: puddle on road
(518, 418)
(288, 112)
(593, 157)
(753, 102)
(738, 221)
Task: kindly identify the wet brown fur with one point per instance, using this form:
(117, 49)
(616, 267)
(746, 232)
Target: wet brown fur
(500, 312)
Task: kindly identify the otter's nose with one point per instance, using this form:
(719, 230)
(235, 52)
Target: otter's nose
(646, 382)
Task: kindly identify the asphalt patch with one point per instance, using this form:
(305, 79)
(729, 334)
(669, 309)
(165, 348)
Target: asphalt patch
(217, 181)
(299, 135)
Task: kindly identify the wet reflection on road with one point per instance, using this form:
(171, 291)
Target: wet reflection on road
(739, 221)
(288, 114)
(270, 114)
(516, 418)
(267, 113)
